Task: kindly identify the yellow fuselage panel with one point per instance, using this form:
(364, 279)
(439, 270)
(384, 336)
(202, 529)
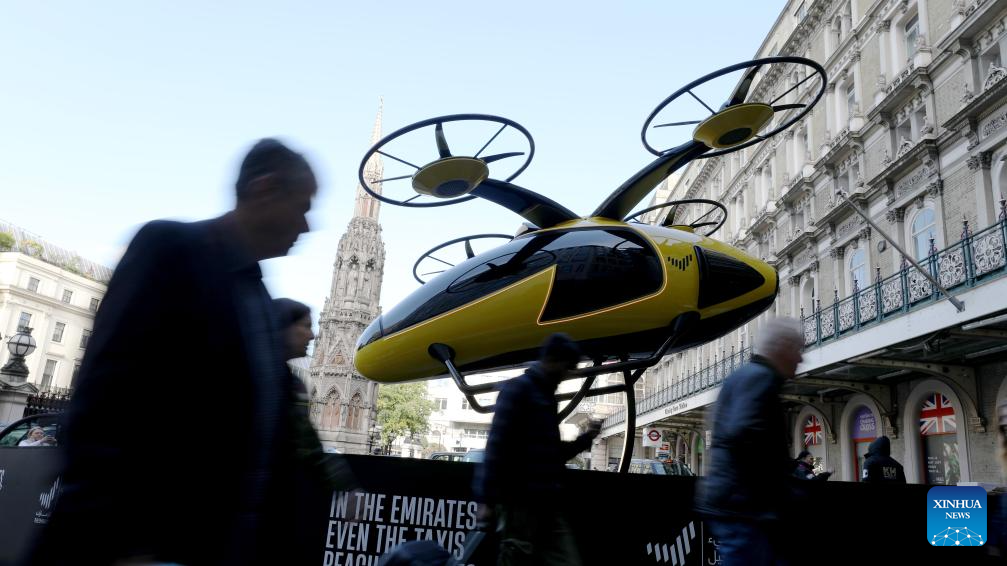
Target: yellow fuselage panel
(510, 319)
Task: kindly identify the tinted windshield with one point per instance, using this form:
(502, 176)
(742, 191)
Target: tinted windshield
(595, 268)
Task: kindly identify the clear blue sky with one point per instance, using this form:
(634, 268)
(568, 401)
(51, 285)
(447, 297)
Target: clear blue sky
(116, 113)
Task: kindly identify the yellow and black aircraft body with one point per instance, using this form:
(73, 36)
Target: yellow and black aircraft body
(620, 288)
(614, 287)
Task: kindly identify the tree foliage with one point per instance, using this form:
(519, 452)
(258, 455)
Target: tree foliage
(403, 411)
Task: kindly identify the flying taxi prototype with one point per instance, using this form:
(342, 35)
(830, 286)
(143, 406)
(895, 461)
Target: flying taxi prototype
(627, 291)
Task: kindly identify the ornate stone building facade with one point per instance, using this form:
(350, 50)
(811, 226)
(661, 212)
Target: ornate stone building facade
(913, 126)
(343, 402)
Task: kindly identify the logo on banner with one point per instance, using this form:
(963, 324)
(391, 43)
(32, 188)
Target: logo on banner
(956, 516)
(46, 500)
(677, 551)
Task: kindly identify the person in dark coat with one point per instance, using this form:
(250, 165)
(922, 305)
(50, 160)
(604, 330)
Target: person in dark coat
(520, 479)
(186, 342)
(879, 466)
(749, 470)
(804, 468)
(316, 474)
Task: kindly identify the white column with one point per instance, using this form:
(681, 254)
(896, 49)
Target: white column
(884, 42)
(924, 21)
(986, 201)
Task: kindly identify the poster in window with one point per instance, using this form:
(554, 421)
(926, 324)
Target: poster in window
(938, 429)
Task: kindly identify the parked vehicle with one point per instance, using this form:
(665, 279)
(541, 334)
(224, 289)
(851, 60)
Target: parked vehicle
(448, 456)
(18, 431)
(657, 467)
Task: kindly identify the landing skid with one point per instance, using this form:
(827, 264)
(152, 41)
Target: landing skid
(632, 371)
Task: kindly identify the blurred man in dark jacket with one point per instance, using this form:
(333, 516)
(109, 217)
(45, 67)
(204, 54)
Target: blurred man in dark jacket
(177, 445)
(879, 466)
(525, 458)
(749, 471)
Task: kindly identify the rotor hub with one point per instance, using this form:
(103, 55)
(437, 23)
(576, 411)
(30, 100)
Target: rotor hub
(733, 125)
(450, 177)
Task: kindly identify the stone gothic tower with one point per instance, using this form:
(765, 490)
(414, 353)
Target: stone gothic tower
(343, 402)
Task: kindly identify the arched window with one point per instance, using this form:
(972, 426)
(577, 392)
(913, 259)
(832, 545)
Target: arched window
(355, 413)
(813, 441)
(924, 228)
(331, 411)
(858, 270)
(863, 431)
(939, 432)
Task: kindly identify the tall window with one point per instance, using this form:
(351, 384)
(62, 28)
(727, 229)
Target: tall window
(94, 304)
(354, 417)
(924, 228)
(84, 337)
(912, 30)
(67, 295)
(938, 429)
(57, 333)
(331, 410)
(858, 270)
(441, 404)
(24, 322)
(465, 404)
(801, 12)
(76, 372)
(47, 373)
(851, 99)
(33, 284)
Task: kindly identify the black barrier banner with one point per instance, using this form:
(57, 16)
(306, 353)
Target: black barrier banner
(29, 487)
(617, 519)
(362, 526)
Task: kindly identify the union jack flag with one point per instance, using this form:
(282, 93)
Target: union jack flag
(937, 416)
(812, 431)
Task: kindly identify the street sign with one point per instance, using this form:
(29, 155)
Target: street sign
(651, 437)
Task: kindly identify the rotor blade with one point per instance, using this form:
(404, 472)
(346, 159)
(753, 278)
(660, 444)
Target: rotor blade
(741, 92)
(669, 219)
(468, 249)
(392, 179)
(779, 107)
(432, 273)
(793, 88)
(442, 143)
(441, 260)
(499, 156)
(678, 123)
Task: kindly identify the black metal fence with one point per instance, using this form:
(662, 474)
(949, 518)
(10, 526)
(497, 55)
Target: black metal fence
(49, 400)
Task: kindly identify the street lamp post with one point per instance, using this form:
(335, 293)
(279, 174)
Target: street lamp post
(19, 345)
(374, 440)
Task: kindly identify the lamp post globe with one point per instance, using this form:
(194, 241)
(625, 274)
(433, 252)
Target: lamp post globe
(20, 345)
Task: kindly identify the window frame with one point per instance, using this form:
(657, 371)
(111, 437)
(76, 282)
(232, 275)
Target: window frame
(58, 331)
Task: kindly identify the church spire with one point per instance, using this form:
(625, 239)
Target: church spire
(367, 206)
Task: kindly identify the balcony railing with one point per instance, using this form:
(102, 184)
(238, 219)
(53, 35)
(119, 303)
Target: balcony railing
(704, 379)
(973, 260)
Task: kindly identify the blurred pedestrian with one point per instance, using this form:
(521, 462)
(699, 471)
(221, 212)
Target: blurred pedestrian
(519, 483)
(316, 474)
(186, 340)
(746, 483)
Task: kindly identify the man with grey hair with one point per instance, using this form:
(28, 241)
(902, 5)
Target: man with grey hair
(749, 465)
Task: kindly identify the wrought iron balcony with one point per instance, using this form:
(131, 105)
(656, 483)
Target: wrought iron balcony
(973, 260)
(704, 379)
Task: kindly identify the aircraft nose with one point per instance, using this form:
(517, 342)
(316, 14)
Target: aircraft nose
(375, 330)
(723, 277)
